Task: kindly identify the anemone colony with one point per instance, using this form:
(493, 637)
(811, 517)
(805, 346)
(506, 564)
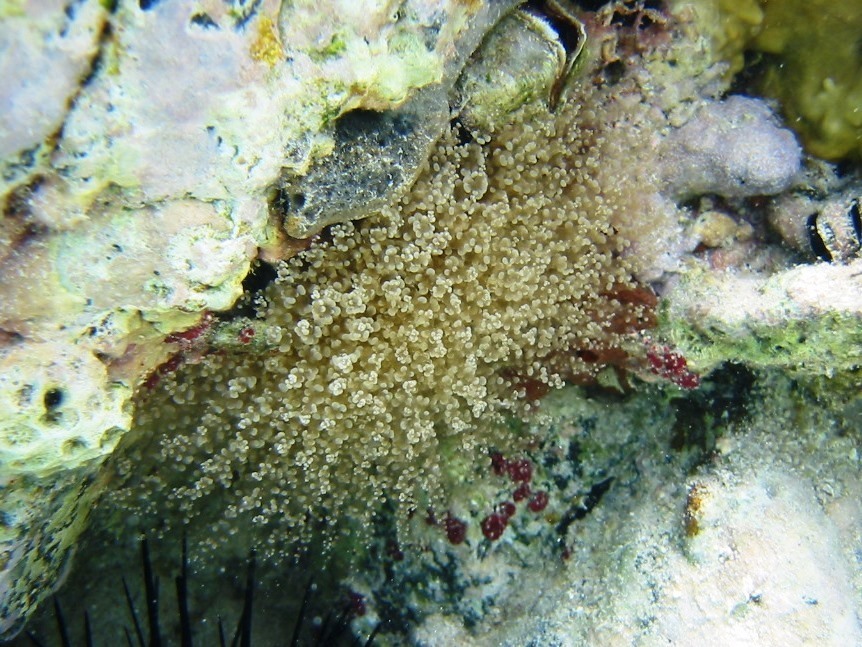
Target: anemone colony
(405, 339)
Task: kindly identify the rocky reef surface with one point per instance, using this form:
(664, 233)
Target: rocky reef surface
(146, 149)
(538, 321)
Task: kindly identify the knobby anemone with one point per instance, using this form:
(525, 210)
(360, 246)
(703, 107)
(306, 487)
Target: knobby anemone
(393, 351)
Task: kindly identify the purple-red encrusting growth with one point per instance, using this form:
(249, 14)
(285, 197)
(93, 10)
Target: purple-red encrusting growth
(169, 366)
(456, 530)
(186, 337)
(507, 509)
(493, 525)
(246, 335)
(520, 470)
(521, 492)
(672, 366)
(499, 463)
(539, 501)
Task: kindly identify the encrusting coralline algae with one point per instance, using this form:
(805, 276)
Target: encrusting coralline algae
(139, 145)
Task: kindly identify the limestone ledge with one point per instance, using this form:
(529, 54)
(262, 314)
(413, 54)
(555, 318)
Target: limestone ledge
(805, 319)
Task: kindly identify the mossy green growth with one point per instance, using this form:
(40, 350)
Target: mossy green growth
(729, 24)
(827, 345)
(334, 48)
(11, 8)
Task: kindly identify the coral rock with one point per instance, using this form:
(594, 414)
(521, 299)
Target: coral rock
(733, 148)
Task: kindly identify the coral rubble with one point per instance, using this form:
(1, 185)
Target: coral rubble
(804, 319)
(756, 546)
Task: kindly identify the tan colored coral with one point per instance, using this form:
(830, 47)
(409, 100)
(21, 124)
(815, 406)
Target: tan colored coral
(402, 337)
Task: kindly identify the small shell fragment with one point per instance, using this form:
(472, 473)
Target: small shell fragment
(829, 229)
(835, 234)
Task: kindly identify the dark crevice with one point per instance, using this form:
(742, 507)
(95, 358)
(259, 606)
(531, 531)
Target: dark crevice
(150, 622)
(256, 281)
(592, 498)
(203, 21)
(818, 245)
(701, 415)
(53, 398)
(569, 35)
(245, 11)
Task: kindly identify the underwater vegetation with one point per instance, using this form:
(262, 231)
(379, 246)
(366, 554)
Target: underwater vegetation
(517, 284)
(806, 55)
(814, 67)
(393, 345)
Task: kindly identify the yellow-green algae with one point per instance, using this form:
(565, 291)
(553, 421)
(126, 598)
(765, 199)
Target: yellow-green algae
(827, 346)
(819, 77)
(768, 322)
(100, 176)
(812, 62)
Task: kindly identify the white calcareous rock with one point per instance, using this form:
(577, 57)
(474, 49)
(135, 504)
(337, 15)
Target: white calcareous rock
(734, 148)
